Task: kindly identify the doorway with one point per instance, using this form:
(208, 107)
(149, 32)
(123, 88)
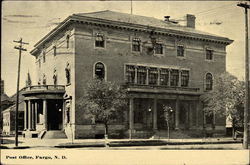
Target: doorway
(54, 110)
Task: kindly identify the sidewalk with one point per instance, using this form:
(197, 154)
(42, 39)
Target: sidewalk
(78, 143)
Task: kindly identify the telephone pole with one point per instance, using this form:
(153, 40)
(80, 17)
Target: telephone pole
(246, 109)
(20, 48)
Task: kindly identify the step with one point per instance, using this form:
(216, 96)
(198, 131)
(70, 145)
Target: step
(54, 135)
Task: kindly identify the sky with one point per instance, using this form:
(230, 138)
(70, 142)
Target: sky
(33, 20)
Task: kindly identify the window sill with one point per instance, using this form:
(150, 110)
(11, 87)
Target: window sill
(101, 48)
(158, 55)
(209, 60)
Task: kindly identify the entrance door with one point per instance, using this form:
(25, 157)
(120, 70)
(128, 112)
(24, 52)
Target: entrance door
(54, 115)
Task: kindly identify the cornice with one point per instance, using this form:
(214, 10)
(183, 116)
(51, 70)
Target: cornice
(130, 27)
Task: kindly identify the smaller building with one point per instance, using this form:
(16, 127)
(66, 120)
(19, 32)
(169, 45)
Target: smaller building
(8, 116)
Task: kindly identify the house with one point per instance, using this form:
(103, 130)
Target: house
(9, 113)
(160, 62)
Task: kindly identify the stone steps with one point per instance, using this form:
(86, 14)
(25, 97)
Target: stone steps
(57, 134)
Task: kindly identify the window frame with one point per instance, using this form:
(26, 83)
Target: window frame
(177, 48)
(185, 78)
(98, 34)
(208, 83)
(134, 40)
(162, 49)
(211, 55)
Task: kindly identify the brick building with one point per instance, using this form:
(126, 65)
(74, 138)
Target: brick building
(159, 61)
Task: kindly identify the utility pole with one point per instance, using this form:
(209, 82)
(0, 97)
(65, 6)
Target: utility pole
(246, 109)
(20, 48)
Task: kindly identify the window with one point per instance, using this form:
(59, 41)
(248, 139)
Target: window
(67, 41)
(55, 77)
(99, 40)
(164, 73)
(44, 79)
(180, 51)
(209, 54)
(130, 74)
(67, 72)
(141, 75)
(99, 71)
(209, 82)
(54, 49)
(174, 77)
(184, 78)
(153, 76)
(44, 57)
(158, 48)
(136, 45)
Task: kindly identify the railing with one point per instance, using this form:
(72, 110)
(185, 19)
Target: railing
(45, 87)
(143, 86)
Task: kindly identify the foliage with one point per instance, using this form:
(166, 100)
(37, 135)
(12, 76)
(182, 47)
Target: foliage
(103, 101)
(226, 98)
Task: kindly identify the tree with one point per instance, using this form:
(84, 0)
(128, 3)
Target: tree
(103, 102)
(226, 99)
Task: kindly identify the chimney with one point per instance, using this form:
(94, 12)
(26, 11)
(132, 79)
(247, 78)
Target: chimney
(190, 21)
(166, 18)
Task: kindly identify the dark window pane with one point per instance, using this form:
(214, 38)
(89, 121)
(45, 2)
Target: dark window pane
(184, 78)
(174, 77)
(164, 73)
(180, 51)
(130, 74)
(141, 75)
(153, 76)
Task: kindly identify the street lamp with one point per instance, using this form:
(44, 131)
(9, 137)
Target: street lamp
(167, 114)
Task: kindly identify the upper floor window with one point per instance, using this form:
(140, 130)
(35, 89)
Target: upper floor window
(141, 75)
(130, 74)
(67, 41)
(55, 77)
(99, 40)
(100, 70)
(209, 54)
(184, 78)
(209, 82)
(158, 48)
(174, 77)
(180, 51)
(44, 56)
(153, 76)
(54, 50)
(136, 45)
(67, 72)
(164, 73)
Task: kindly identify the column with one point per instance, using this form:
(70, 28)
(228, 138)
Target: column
(155, 115)
(197, 113)
(136, 74)
(187, 115)
(131, 116)
(169, 77)
(25, 115)
(29, 115)
(147, 75)
(177, 113)
(179, 79)
(45, 114)
(159, 76)
(35, 114)
(32, 115)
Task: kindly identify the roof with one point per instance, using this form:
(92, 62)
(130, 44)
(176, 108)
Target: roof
(133, 21)
(141, 20)
(4, 97)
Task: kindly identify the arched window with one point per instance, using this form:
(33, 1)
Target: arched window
(100, 70)
(67, 72)
(209, 82)
(55, 77)
(67, 41)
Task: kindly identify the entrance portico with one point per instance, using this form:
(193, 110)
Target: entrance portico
(43, 109)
